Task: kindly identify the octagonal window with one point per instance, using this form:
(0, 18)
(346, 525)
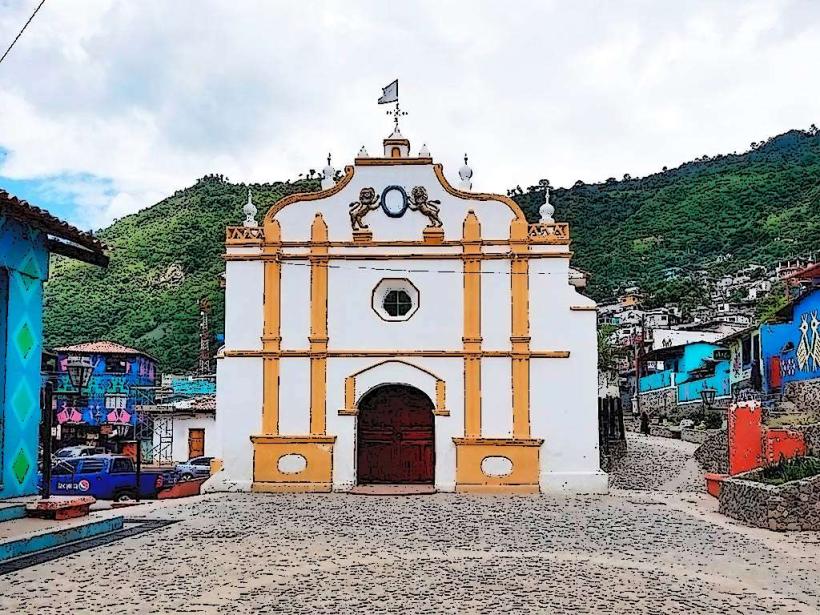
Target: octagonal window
(395, 299)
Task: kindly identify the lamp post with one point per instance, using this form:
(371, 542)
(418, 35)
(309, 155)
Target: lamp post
(707, 398)
(79, 373)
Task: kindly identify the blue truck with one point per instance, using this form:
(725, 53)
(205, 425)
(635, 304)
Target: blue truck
(107, 477)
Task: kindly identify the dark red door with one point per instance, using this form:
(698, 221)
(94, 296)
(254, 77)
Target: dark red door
(395, 436)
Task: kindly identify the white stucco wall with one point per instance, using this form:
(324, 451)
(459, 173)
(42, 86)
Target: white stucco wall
(243, 304)
(563, 391)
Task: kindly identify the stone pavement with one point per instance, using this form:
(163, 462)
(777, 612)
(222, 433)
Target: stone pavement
(657, 464)
(629, 552)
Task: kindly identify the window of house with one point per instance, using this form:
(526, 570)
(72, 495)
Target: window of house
(115, 402)
(115, 364)
(746, 350)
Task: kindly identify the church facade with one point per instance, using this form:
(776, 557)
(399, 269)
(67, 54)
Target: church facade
(394, 329)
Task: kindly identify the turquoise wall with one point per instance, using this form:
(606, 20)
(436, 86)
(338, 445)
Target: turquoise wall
(24, 260)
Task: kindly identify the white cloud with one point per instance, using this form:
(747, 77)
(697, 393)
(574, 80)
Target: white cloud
(151, 95)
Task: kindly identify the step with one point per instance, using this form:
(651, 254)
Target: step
(9, 511)
(29, 535)
(393, 490)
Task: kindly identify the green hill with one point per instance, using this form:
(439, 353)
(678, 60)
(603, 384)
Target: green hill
(758, 206)
(141, 299)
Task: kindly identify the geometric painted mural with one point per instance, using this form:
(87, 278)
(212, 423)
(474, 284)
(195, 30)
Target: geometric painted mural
(24, 260)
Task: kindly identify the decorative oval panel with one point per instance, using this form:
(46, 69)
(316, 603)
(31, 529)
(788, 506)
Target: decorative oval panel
(496, 466)
(394, 201)
(291, 464)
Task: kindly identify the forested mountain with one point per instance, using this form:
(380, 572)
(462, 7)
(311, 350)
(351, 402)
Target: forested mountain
(163, 260)
(758, 206)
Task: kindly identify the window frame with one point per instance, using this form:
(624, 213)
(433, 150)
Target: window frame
(384, 287)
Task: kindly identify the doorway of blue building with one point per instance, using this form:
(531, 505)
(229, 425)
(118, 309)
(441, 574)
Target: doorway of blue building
(395, 436)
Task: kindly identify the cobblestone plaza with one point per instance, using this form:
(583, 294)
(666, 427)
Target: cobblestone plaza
(662, 549)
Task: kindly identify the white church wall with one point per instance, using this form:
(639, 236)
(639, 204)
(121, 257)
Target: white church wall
(243, 305)
(495, 304)
(294, 396)
(295, 302)
(496, 397)
(295, 220)
(238, 415)
(353, 323)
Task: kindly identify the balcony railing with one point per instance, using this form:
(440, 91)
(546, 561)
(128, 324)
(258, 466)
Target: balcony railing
(239, 235)
(550, 233)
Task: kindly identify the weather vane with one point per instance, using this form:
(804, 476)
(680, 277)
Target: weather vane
(391, 94)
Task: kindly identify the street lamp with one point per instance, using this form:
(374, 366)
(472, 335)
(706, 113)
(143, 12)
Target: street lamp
(79, 373)
(707, 396)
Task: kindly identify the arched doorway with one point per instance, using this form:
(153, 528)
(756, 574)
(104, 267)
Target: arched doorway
(395, 436)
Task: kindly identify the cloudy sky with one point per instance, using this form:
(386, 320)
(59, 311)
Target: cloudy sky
(107, 106)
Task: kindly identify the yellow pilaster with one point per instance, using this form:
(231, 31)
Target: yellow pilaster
(520, 335)
(318, 325)
(472, 326)
(271, 338)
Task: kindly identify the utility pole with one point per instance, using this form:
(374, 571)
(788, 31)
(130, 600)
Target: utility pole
(204, 337)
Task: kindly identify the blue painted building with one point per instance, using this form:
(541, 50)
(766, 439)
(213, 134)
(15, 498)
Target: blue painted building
(27, 236)
(107, 412)
(688, 369)
(790, 343)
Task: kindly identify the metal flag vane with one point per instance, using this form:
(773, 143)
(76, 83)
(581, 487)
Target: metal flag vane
(390, 94)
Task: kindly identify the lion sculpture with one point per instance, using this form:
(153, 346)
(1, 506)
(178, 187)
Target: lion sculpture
(419, 202)
(368, 201)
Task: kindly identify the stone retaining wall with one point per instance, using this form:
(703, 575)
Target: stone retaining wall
(697, 436)
(805, 394)
(811, 436)
(713, 454)
(659, 402)
(790, 506)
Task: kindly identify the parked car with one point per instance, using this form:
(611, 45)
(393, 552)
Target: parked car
(79, 451)
(196, 467)
(106, 477)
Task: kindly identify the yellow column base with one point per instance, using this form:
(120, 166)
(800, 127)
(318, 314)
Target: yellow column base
(512, 467)
(292, 463)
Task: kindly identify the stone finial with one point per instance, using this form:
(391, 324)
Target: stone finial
(424, 152)
(547, 209)
(362, 153)
(466, 175)
(250, 212)
(327, 175)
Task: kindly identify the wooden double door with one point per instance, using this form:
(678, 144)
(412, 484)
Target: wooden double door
(395, 436)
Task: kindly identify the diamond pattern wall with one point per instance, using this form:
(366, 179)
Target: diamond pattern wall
(24, 260)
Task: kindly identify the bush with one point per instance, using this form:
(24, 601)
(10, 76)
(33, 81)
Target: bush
(787, 470)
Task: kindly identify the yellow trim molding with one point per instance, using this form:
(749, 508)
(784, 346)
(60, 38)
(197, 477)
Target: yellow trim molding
(501, 354)
(307, 196)
(395, 257)
(523, 455)
(317, 452)
(318, 325)
(351, 406)
(519, 336)
(388, 162)
(477, 196)
(584, 308)
(271, 339)
(472, 326)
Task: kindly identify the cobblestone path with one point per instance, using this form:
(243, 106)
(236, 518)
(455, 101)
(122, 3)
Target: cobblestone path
(657, 464)
(632, 552)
